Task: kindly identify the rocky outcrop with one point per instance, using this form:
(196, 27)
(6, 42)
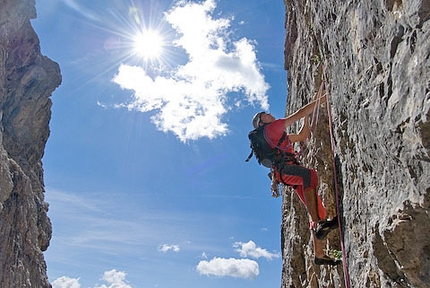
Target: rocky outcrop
(27, 79)
(374, 56)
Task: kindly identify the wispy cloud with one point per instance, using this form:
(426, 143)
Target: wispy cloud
(221, 267)
(115, 224)
(193, 99)
(91, 221)
(73, 4)
(165, 248)
(250, 249)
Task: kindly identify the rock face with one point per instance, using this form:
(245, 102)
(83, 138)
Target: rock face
(374, 57)
(27, 79)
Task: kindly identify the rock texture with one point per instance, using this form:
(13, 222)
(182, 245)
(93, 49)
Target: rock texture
(27, 79)
(374, 56)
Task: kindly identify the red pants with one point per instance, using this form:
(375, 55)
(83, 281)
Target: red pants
(301, 179)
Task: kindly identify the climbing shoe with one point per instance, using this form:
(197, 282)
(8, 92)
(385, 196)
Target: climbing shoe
(327, 261)
(324, 227)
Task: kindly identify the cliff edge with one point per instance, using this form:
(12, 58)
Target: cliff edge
(374, 57)
(27, 79)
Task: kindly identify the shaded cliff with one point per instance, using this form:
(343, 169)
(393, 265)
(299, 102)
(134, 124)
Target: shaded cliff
(27, 79)
(374, 56)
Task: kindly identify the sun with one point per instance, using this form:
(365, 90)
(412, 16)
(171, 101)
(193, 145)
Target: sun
(148, 44)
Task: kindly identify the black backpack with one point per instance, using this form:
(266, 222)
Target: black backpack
(266, 155)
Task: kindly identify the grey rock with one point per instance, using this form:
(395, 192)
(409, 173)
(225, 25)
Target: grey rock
(27, 79)
(374, 57)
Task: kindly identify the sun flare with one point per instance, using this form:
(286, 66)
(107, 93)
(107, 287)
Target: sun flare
(148, 44)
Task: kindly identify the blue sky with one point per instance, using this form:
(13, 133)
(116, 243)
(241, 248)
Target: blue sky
(144, 168)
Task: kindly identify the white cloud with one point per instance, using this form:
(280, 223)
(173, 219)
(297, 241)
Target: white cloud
(115, 279)
(221, 267)
(165, 247)
(66, 282)
(250, 249)
(193, 99)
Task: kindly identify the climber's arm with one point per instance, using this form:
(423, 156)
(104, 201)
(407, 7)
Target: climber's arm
(304, 132)
(304, 111)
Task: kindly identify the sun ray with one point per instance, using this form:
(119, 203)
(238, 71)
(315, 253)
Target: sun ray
(137, 35)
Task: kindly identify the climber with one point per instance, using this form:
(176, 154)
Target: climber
(302, 179)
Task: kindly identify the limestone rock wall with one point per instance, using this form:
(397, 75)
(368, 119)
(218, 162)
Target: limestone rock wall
(374, 56)
(27, 79)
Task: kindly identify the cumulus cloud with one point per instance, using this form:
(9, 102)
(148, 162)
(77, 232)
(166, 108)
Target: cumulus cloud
(192, 100)
(66, 282)
(165, 247)
(222, 267)
(115, 279)
(250, 249)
